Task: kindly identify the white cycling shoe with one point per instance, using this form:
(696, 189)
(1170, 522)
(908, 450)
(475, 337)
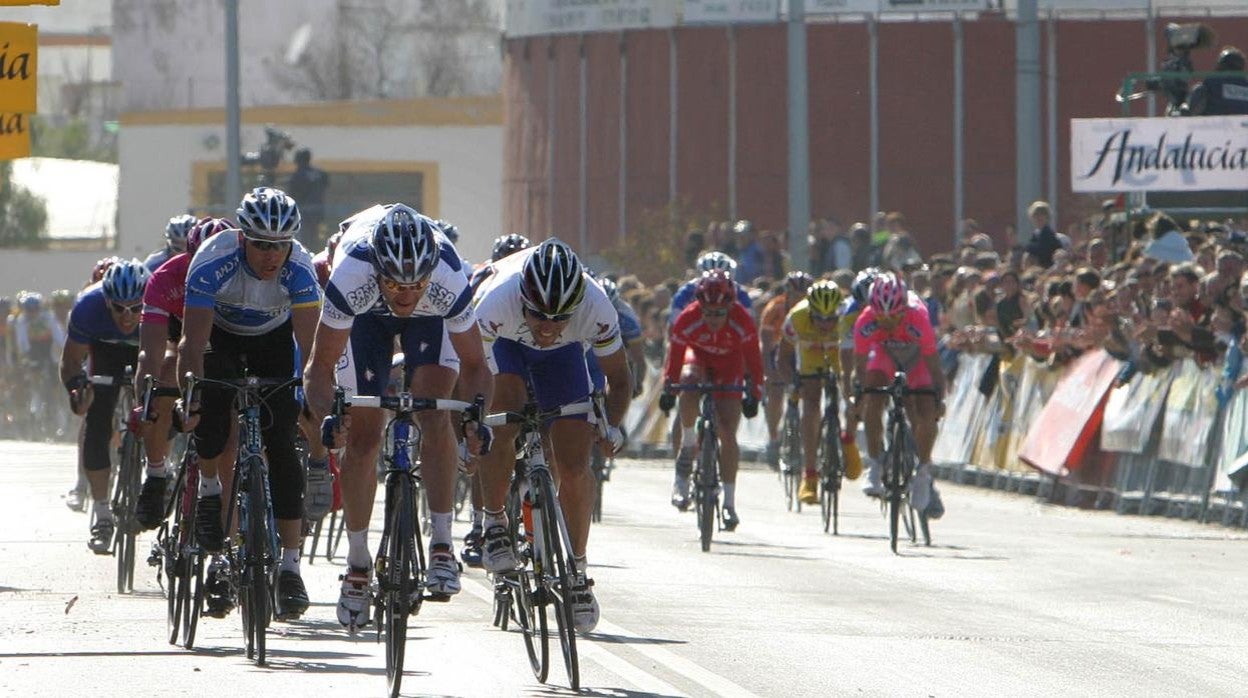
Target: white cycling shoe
(355, 601)
(442, 577)
(875, 478)
(921, 488)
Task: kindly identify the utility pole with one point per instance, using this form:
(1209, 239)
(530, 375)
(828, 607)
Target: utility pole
(799, 139)
(233, 137)
(1027, 160)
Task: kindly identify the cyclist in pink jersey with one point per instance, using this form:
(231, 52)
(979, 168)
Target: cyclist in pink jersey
(893, 333)
(159, 331)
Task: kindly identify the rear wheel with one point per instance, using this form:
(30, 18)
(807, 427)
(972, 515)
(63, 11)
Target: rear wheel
(129, 481)
(254, 584)
(705, 494)
(791, 464)
(174, 578)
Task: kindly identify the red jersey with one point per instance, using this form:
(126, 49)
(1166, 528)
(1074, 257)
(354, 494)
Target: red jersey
(736, 341)
(165, 293)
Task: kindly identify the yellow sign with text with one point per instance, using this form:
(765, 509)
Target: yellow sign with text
(19, 67)
(14, 136)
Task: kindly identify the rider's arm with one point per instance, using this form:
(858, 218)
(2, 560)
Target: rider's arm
(196, 328)
(676, 347)
(636, 352)
(619, 385)
(475, 377)
(753, 355)
(303, 320)
(72, 357)
(318, 378)
(153, 338)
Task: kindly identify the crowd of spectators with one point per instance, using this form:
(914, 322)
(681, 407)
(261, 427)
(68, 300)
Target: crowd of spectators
(1149, 291)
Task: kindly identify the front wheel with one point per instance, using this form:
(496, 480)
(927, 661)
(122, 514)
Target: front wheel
(559, 574)
(254, 582)
(125, 497)
(706, 495)
(397, 583)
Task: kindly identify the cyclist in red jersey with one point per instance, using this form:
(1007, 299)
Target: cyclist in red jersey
(714, 340)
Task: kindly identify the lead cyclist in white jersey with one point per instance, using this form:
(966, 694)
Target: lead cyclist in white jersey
(395, 274)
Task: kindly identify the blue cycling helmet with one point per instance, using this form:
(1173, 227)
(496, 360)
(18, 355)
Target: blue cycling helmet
(268, 214)
(125, 281)
(32, 301)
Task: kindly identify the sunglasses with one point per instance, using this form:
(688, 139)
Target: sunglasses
(268, 245)
(715, 312)
(395, 287)
(561, 317)
(122, 309)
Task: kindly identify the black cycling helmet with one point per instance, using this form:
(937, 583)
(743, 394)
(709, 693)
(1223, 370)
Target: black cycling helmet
(505, 245)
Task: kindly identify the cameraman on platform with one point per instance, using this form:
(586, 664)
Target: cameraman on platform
(1220, 95)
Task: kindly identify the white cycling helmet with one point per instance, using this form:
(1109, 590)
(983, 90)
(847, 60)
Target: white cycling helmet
(716, 260)
(269, 214)
(404, 247)
(176, 230)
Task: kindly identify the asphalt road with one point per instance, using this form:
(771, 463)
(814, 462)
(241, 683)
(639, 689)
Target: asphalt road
(1016, 597)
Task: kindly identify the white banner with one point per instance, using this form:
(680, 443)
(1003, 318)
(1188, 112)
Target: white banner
(829, 7)
(1197, 153)
(933, 5)
(730, 11)
(538, 17)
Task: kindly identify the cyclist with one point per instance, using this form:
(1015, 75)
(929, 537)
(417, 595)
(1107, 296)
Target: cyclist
(811, 345)
(104, 327)
(707, 262)
(893, 333)
(159, 333)
(537, 314)
(714, 340)
(851, 308)
(771, 324)
(251, 296)
(39, 341)
(395, 275)
(176, 231)
(451, 231)
(630, 333)
(504, 246)
(62, 303)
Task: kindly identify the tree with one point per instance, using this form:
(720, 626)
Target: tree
(655, 248)
(23, 216)
(70, 140)
(397, 49)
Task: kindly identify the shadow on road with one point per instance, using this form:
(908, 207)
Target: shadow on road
(920, 551)
(591, 691)
(632, 639)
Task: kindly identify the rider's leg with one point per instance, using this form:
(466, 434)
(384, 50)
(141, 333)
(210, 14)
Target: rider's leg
(812, 393)
(495, 470)
(728, 415)
(571, 440)
(872, 414)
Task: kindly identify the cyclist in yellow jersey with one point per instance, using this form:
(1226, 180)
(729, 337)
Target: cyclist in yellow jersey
(770, 327)
(812, 336)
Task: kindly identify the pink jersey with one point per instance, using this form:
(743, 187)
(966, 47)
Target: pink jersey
(166, 291)
(900, 342)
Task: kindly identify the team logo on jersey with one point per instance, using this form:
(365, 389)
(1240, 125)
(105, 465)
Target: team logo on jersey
(603, 328)
(492, 329)
(441, 297)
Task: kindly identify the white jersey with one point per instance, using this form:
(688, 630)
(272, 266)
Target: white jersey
(353, 288)
(500, 313)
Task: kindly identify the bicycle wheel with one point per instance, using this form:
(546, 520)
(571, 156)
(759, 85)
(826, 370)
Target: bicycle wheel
(526, 601)
(558, 573)
(129, 481)
(193, 605)
(830, 477)
(396, 579)
(254, 585)
(792, 461)
(893, 486)
(598, 465)
(705, 489)
(171, 564)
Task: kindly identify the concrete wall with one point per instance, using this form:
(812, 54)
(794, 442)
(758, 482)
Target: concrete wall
(456, 145)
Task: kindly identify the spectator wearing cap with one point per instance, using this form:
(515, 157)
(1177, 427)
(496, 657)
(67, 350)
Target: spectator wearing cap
(1044, 241)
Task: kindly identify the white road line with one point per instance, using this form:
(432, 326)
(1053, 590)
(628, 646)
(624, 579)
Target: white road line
(640, 678)
(1171, 599)
(715, 683)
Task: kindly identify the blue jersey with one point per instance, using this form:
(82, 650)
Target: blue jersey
(244, 304)
(684, 296)
(91, 322)
(630, 327)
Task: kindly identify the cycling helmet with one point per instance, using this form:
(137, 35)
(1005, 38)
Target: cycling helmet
(888, 294)
(610, 288)
(97, 272)
(205, 229)
(715, 288)
(404, 248)
(861, 290)
(824, 297)
(124, 281)
(32, 301)
(269, 214)
(62, 297)
(505, 245)
(716, 260)
(743, 227)
(177, 229)
(552, 281)
(449, 230)
(798, 281)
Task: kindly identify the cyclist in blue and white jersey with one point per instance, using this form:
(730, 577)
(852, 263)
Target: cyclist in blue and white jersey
(538, 314)
(395, 274)
(251, 295)
(104, 328)
(176, 231)
(707, 262)
(630, 333)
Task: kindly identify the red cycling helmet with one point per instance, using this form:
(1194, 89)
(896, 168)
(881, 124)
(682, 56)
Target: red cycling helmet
(205, 229)
(97, 273)
(888, 294)
(715, 288)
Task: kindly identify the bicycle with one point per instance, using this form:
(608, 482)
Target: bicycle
(900, 460)
(706, 471)
(602, 465)
(547, 573)
(831, 462)
(178, 559)
(400, 562)
(791, 449)
(252, 560)
(128, 481)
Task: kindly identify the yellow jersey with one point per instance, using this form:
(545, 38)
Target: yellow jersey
(817, 349)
